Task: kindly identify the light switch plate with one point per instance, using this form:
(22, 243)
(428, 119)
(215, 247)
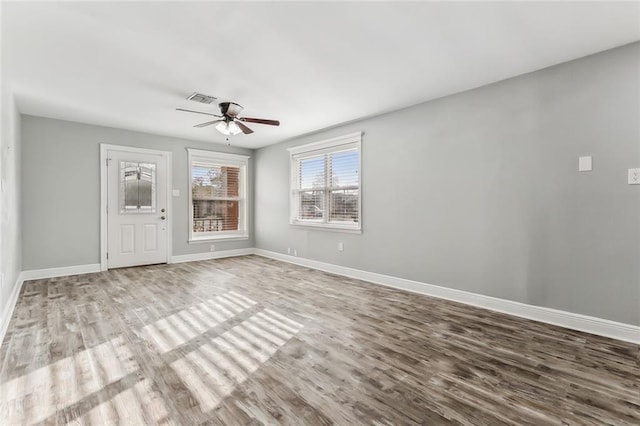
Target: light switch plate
(585, 164)
(176, 192)
(634, 176)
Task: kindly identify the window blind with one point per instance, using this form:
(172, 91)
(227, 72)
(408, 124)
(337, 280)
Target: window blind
(344, 190)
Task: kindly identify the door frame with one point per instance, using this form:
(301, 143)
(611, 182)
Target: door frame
(104, 234)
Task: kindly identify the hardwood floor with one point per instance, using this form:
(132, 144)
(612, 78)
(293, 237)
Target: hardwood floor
(250, 340)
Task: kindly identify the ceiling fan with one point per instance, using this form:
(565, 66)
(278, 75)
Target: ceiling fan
(229, 123)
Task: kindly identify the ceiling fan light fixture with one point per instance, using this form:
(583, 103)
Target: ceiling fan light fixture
(228, 128)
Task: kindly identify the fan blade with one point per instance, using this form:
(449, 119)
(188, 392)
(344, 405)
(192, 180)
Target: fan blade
(208, 123)
(260, 121)
(198, 112)
(244, 128)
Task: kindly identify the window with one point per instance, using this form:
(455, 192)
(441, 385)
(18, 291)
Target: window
(325, 184)
(218, 196)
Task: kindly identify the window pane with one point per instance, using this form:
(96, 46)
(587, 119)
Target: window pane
(210, 181)
(344, 206)
(311, 205)
(215, 215)
(137, 187)
(344, 168)
(311, 173)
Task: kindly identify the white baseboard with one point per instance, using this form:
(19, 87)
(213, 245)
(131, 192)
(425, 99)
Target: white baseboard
(9, 307)
(90, 268)
(211, 255)
(588, 324)
(37, 274)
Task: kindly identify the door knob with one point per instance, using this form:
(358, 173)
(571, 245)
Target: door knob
(162, 217)
(162, 210)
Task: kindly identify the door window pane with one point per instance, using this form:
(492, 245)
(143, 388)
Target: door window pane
(137, 187)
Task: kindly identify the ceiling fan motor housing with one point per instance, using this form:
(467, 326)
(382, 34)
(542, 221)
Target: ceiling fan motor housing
(230, 109)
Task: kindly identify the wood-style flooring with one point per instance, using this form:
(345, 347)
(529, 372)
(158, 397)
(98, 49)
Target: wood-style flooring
(250, 340)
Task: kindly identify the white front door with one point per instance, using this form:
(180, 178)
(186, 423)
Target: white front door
(136, 208)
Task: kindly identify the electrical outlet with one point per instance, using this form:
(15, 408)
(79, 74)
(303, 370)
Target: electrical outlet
(288, 250)
(585, 164)
(340, 247)
(212, 247)
(295, 252)
(634, 176)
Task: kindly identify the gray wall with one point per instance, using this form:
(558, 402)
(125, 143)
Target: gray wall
(480, 191)
(61, 190)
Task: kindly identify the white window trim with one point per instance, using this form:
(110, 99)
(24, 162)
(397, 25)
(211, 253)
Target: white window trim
(227, 159)
(352, 140)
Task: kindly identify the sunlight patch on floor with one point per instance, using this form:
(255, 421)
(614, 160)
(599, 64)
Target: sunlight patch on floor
(39, 394)
(176, 329)
(215, 369)
(137, 405)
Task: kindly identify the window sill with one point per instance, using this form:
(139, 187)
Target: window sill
(209, 238)
(327, 227)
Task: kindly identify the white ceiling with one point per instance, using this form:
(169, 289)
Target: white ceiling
(310, 65)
